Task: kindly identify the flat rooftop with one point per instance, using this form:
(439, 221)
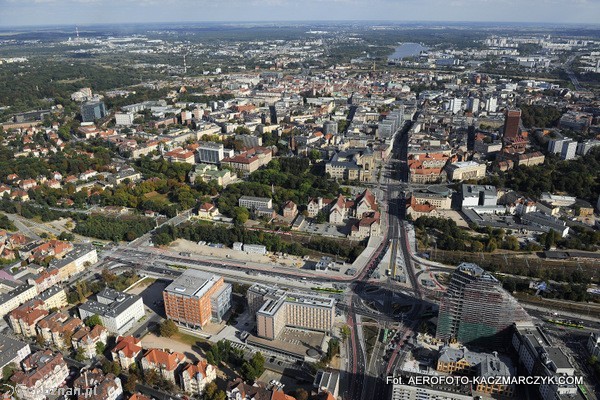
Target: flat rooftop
(558, 357)
(294, 342)
(192, 283)
(276, 299)
(110, 303)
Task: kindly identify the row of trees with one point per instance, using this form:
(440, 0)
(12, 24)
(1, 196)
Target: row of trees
(222, 352)
(202, 232)
(539, 116)
(517, 264)
(287, 178)
(119, 282)
(116, 229)
(45, 78)
(449, 236)
(579, 177)
(565, 291)
(6, 223)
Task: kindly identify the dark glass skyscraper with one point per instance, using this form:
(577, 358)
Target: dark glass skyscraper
(476, 310)
(93, 111)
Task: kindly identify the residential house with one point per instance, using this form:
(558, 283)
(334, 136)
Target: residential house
(25, 318)
(317, 205)
(27, 184)
(368, 225)
(57, 329)
(94, 385)
(12, 351)
(89, 174)
(127, 350)
(166, 364)
(290, 209)
(88, 339)
(208, 211)
(43, 372)
(195, 377)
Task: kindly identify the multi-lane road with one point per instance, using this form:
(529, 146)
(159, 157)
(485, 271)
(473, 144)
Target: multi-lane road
(367, 370)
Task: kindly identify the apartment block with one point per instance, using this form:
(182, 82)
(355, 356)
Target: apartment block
(124, 119)
(196, 297)
(25, 318)
(462, 362)
(406, 391)
(212, 153)
(13, 294)
(43, 372)
(57, 327)
(12, 352)
(75, 261)
(277, 309)
(252, 203)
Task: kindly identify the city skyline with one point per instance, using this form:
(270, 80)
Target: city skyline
(82, 12)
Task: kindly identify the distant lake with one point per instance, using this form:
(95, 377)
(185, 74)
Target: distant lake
(407, 50)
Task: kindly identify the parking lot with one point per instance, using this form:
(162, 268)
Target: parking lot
(152, 295)
(326, 229)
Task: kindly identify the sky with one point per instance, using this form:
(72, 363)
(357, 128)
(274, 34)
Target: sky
(82, 12)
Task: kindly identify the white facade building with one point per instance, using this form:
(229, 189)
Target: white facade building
(118, 311)
(124, 119)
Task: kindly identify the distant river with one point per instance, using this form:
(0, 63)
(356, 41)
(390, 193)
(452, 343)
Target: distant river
(407, 50)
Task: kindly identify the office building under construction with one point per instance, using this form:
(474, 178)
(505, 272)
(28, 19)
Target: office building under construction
(476, 310)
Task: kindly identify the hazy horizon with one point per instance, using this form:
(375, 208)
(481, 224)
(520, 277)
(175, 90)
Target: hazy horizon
(26, 13)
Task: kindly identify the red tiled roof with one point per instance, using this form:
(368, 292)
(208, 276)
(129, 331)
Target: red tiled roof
(30, 312)
(207, 207)
(193, 369)
(39, 365)
(129, 345)
(169, 360)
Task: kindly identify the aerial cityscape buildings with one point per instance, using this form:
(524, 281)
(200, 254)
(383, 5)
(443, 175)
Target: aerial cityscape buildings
(299, 210)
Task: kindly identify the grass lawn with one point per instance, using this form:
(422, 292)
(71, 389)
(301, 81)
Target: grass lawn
(155, 196)
(186, 338)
